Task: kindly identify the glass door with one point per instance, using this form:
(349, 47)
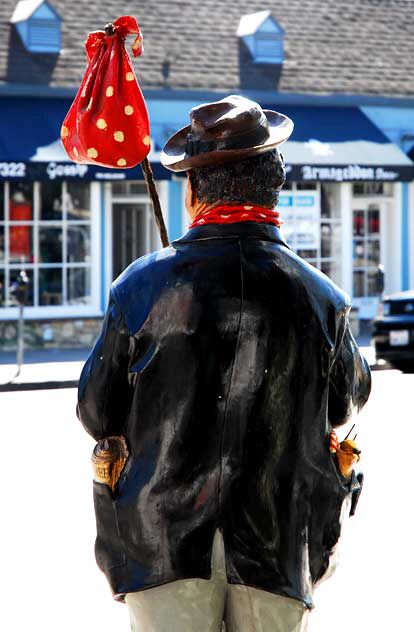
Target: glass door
(131, 234)
(366, 256)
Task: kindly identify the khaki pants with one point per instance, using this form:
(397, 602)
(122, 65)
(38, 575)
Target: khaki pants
(199, 605)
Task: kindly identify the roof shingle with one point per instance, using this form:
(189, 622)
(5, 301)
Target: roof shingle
(331, 46)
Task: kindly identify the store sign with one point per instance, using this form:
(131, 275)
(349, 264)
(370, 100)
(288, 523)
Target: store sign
(19, 170)
(49, 171)
(10, 170)
(349, 173)
(300, 214)
(56, 170)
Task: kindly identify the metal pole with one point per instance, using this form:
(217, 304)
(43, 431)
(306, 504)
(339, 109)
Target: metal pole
(20, 340)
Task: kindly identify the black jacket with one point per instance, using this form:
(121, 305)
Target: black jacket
(225, 360)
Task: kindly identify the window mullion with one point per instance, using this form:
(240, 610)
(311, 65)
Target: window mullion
(7, 242)
(36, 216)
(64, 244)
(366, 252)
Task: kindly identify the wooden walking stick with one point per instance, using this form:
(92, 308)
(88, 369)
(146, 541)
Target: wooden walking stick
(152, 190)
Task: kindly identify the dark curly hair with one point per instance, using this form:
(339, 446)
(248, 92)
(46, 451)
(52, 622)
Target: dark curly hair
(256, 180)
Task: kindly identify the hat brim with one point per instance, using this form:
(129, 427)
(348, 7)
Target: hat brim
(174, 156)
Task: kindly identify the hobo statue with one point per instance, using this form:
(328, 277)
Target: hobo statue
(224, 363)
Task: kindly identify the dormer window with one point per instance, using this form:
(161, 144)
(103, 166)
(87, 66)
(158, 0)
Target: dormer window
(263, 37)
(38, 25)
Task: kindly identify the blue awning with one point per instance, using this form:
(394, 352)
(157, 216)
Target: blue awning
(331, 124)
(30, 146)
(27, 124)
(328, 143)
(341, 143)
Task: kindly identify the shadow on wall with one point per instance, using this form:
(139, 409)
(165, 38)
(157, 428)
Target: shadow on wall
(26, 67)
(255, 75)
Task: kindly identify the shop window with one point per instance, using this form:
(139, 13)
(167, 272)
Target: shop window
(313, 226)
(51, 205)
(306, 186)
(366, 251)
(77, 201)
(373, 188)
(46, 229)
(13, 274)
(121, 189)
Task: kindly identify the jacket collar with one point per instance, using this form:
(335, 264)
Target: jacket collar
(239, 230)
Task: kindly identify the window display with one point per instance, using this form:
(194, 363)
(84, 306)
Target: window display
(313, 225)
(45, 229)
(366, 252)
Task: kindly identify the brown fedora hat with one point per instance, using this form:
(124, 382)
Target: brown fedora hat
(225, 131)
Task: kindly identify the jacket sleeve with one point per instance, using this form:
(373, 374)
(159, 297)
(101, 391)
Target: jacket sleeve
(350, 378)
(104, 394)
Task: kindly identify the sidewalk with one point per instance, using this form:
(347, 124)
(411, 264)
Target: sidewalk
(60, 368)
(45, 369)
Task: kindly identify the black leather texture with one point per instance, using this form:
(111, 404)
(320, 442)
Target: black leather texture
(225, 360)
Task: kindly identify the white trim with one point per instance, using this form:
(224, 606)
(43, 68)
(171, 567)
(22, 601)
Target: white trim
(95, 244)
(251, 22)
(49, 312)
(6, 242)
(391, 240)
(107, 201)
(346, 214)
(36, 217)
(24, 10)
(64, 242)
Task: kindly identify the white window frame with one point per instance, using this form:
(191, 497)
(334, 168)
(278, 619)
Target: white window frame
(389, 205)
(318, 260)
(93, 309)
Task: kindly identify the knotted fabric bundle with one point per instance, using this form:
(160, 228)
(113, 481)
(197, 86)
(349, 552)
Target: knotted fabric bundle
(107, 123)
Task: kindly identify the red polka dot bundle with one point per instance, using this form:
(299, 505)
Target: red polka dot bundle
(107, 123)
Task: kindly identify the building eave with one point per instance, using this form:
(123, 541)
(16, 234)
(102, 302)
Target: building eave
(345, 100)
(177, 94)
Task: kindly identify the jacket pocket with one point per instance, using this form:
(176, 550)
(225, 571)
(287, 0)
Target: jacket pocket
(109, 550)
(330, 511)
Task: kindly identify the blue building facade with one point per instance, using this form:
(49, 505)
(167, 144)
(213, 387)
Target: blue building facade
(348, 203)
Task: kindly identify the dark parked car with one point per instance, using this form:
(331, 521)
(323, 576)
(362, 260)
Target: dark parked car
(393, 332)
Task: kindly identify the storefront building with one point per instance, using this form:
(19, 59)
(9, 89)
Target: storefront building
(347, 206)
(71, 228)
(74, 228)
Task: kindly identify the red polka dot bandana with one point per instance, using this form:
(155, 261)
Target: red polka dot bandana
(232, 214)
(107, 123)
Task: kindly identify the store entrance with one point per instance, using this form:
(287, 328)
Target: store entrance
(131, 234)
(368, 220)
